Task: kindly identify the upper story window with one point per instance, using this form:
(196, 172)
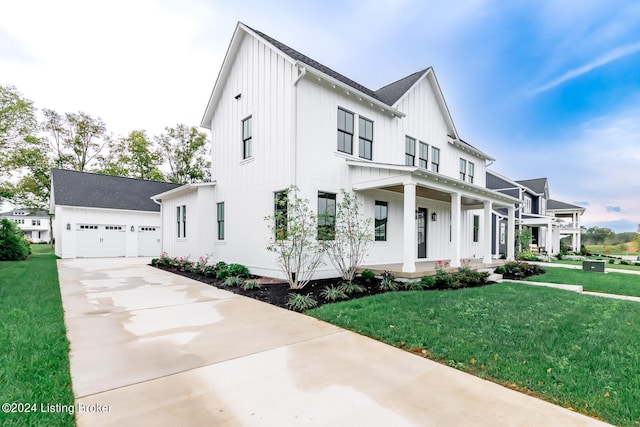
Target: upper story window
(19, 221)
(471, 171)
(35, 222)
(247, 137)
(527, 204)
(409, 151)
(423, 151)
(365, 129)
(463, 169)
(380, 226)
(345, 131)
(326, 215)
(435, 159)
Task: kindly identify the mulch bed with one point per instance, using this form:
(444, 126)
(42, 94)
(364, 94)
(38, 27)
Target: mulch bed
(276, 292)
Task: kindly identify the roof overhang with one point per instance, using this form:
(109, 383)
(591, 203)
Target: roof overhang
(458, 143)
(183, 189)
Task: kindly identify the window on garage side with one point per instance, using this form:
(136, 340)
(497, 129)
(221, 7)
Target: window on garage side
(181, 220)
(220, 207)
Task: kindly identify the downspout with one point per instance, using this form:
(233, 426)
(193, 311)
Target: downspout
(161, 224)
(294, 128)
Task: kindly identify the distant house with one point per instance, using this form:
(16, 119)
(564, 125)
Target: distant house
(278, 118)
(33, 223)
(105, 216)
(544, 217)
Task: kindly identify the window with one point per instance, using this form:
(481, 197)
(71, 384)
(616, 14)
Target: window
(220, 207)
(326, 215)
(503, 233)
(181, 219)
(345, 131)
(365, 138)
(423, 150)
(463, 169)
(35, 222)
(380, 230)
(280, 214)
(435, 159)
(409, 151)
(527, 204)
(476, 228)
(247, 138)
(471, 170)
(19, 221)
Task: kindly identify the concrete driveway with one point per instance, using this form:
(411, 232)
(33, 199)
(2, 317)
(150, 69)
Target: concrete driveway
(149, 348)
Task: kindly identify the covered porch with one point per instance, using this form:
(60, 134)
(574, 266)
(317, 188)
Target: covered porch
(428, 268)
(455, 200)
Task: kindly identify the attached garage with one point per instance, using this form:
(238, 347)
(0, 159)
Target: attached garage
(103, 216)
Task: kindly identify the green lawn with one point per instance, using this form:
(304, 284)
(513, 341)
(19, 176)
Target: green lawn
(34, 351)
(611, 283)
(611, 266)
(574, 350)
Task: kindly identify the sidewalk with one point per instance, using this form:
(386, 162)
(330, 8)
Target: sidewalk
(149, 348)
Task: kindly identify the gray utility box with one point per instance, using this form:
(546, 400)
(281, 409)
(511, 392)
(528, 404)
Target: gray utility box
(597, 266)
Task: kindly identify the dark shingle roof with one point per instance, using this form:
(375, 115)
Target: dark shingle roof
(31, 213)
(556, 204)
(536, 185)
(73, 188)
(388, 94)
(391, 93)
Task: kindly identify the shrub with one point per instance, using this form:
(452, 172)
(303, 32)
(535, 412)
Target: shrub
(526, 255)
(222, 270)
(625, 262)
(251, 284)
(299, 302)
(636, 264)
(238, 270)
(415, 285)
(351, 288)
(232, 281)
(584, 251)
(519, 270)
(333, 293)
(368, 275)
(388, 282)
(428, 282)
(154, 261)
(468, 278)
(13, 246)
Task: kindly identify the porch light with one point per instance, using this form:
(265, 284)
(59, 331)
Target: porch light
(68, 226)
(434, 216)
(132, 229)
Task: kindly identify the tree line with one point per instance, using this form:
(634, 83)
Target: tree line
(606, 236)
(30, 147)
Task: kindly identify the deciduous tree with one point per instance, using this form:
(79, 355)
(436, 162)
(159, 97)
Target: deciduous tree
(185, 149)
(133, 156)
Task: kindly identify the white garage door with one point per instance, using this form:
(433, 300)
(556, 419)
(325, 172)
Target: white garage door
(100, 241)
(149, 241)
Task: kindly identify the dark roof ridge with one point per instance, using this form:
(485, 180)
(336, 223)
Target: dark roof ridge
(403, 78)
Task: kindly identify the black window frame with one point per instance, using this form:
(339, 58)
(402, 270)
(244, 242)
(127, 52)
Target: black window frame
(435, 159)
(409, 151)
(345, 133)
(247, 138)
(365, 140)
(423, 148)
(181, 220)
(471, 171)
(463, 169)
(220, 219)
(476, 228)
(326, 218)
(280, 214)
(380, 221)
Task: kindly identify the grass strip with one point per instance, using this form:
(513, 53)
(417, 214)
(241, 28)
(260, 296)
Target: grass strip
(577, 351)
(34, 351)
(611, 283)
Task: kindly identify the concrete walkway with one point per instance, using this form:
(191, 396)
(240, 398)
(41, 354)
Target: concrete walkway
(149, 348)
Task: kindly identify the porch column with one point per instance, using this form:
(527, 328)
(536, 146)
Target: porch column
(578, 237)
(550, 243)
(455, 230)
(511, 233)
(486, 235)
(409, 228)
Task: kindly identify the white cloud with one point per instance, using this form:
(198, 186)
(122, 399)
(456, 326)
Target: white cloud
(610, 56)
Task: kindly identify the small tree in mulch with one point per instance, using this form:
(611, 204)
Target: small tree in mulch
(13, 246)
(348, 248)
(293, 231)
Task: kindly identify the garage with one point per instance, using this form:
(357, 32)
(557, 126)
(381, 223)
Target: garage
(149, 243)
(98, 240)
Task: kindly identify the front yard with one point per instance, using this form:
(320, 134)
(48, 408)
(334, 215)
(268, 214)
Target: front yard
(34, 351)
(578, 351)
(611, 283)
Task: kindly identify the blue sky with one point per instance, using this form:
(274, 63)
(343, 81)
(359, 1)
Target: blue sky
(549, 88)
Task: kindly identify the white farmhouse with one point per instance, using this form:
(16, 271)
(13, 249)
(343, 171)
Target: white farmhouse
(279, 118)
(33, 223)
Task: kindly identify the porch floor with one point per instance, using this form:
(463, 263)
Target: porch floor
(427, 268)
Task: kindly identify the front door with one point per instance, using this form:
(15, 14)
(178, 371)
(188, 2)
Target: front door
(422, 233)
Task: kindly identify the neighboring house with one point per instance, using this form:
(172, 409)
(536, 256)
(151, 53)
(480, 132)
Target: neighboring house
(537, 212)
(105, 216)
(33, 223)
(278, 118)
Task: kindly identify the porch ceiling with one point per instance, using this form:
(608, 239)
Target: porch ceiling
(430, 193)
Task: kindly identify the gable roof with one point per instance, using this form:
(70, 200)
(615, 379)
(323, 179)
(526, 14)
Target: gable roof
(558, 205)
(537, 185)
(391, 93)
(84, 189)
